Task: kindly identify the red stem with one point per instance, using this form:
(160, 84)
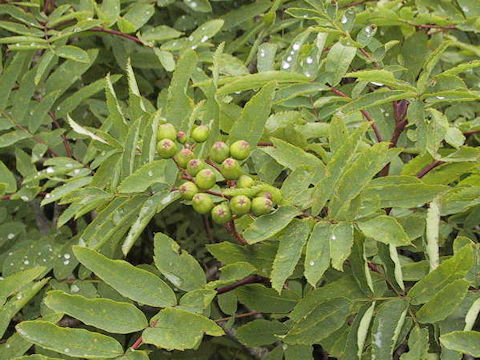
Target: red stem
(230, 226)
(136, 344)
(118, 33)
(429, 168)
(254, 279)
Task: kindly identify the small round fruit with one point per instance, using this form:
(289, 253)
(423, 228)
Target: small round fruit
(167, 131)
(205, 179)
(202, 203)
(194, 166)
(221, 214)
(271, 192)
(240, 149)
(181, 137)
(200, 133)
(245, 181)
(183, 157)
(261, 206)
(240, 205)
(166, 148)
(188, 190)
(231, 169)
(219, 151)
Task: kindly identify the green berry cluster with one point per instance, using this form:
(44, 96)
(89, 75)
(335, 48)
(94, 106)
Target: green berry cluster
(240, 194)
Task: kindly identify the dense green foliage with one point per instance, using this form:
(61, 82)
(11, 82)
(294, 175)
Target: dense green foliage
(219, 179)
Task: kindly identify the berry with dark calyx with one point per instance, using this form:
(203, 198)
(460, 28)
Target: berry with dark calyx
(188, 190)
(194, 166)
(265, 194)
(240, 149)
(219, 152)
(183, 157)
(167, 131)
(181, 137)
(240, 205)
(221, 214)
(200, 133)
(261, 206)
(166, 149)
(231, 169)
(202, 203)
(245, 181)
(205, 179)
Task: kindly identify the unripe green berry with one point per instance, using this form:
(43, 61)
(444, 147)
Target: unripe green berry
(221, 214)
(205, 179)
(166, 148)
(240, 205)
(167, 131)
(183, 157)
(181, 137)
(271, 192)
(202, 203)
(219, 152)
(261, 206)
(194, 166)
(240, 149)
(245, 181)
(265, 194)
(200, 133)
(188, 190)
(231, 169)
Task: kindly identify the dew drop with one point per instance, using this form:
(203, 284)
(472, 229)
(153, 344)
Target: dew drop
(311, 263)
(296, 47)
(150, 173)
(289, 58)
(66, 262)
(67, 350)
(285, 65)
(74, 288)
(10, 236)
(440, 97)
(19, 296)
(66, 256)
(204, 38)
(24, 198)
(333, 237)
(49, 170)
(309, 60)
(344, 19)
(26, 262)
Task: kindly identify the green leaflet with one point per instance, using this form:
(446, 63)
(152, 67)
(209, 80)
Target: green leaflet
(381, 76)
(135, 283)
(176, 329)
(16, 303)
(73, 53)
(10, 75)
(145, 176)
(374, 99)
(70, 342)
(321, 322)
(254, 81)
(338, 61)
(254, 115)
(442, 304)
(179, 105)
(197, 301)
(7, 178)
(417, 344)
(105, 314)
(335, 168)
(292, 240)
(260, 332)
(269, 225)
(452, 269)
(386, 327)
(178, 266)
(13, 283)
(368, 163)
(466, 342)
(264, 299)
(152, 206)
(328, 243)
(385, 229)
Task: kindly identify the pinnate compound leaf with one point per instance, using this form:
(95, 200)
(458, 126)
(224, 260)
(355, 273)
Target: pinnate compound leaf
(466, 342)
(71, 342)
(178, 266)
(452, 269)
(292, 240)
(109, 315)
(134, 283)
(267, 226)
(176, 329)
